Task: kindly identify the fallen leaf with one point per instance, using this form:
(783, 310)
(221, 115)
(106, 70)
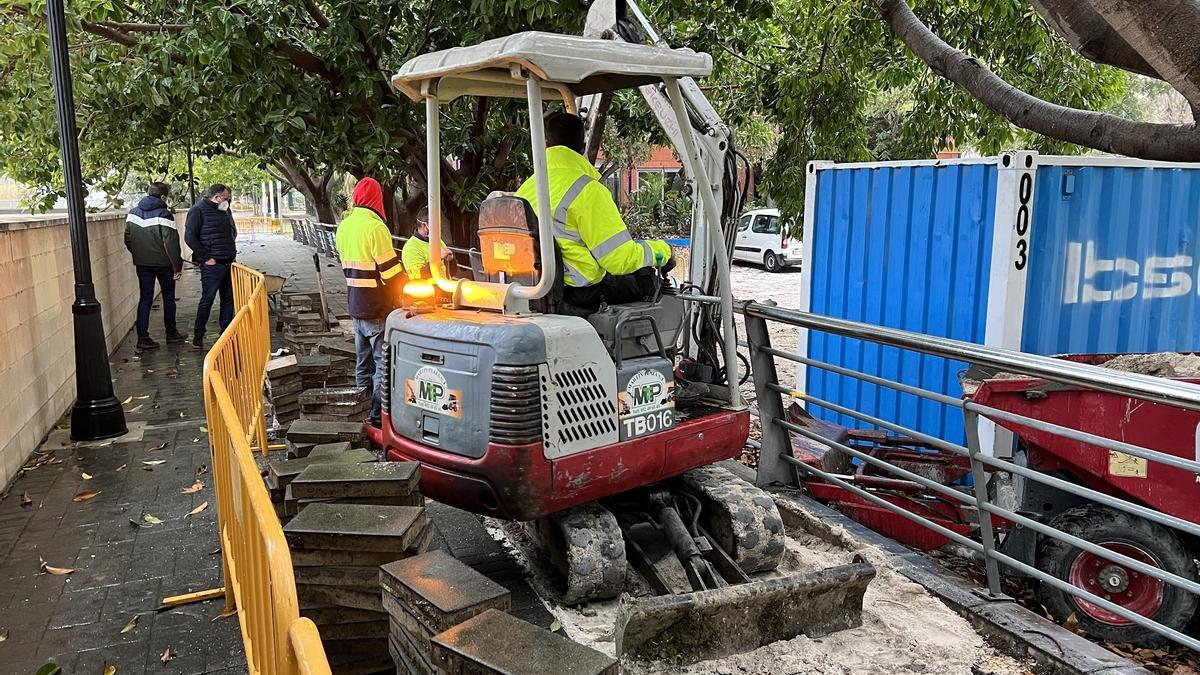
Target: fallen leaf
(181, 415)
(153, 462)
(110, 670)
(555, 626)
(56, 571)
(167, 656)
(160, 446)
(122, 467)
(142, 398)
(202, 469)
(84, 496)
(49, 669)
(87, 476)
(131, 625)
(225, 614)
(126, 401)
(215, 551)
(1072, 623)
(149, 370)
(196, 487)
(136, 523)
(198, 509)
(204, 430)
(135, 408)
(54, 460)
(151, 519)
(196, 439)
(26, 500)
(4, 636)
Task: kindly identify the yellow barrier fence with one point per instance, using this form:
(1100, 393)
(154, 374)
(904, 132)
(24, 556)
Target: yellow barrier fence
(262, 224)
(259, 582)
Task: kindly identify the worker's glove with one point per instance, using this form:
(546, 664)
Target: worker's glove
(668, 266)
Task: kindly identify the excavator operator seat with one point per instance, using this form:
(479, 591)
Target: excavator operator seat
(509, 248)
(508, 240)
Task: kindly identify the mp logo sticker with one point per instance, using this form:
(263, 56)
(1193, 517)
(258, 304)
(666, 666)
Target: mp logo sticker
(428, 390)
(647, 405)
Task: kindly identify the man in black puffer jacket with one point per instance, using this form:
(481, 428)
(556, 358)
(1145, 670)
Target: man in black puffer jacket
(151, 237)
(212, 236)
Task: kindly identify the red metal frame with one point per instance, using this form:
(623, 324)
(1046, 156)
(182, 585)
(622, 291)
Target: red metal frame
(1155, 426)
(518, 482)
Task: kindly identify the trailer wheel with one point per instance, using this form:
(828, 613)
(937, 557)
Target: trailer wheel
(771, 262)
(1131, 536)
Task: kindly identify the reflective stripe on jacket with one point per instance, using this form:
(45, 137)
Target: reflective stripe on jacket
(369, 262)
(587, 225)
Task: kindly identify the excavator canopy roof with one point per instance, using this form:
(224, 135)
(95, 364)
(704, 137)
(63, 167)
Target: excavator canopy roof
(570, 65)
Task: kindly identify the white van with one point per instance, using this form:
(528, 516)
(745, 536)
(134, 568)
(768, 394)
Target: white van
(761, 238)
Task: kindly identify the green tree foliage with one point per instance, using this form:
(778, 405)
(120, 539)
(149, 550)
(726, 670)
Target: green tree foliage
(831, 76)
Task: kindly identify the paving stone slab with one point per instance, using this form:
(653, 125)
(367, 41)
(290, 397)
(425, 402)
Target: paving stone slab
(337, 481)
(282, 366)
(324, 449)
(313, 363)
(306, 431)
(356, 527)
(357, 417)
(379, 628)
(335, 395)
(281, 473)
(342, 409)
(313, 558)
(408, 656)
(365, 577)
(495, 642)
(300, 450)
(333, 615)
(442, 589)
(414, 499)
(340, 595)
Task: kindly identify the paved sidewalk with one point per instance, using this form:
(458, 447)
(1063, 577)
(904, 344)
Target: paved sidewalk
(122, 570)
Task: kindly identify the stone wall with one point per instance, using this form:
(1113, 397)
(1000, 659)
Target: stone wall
(37, 361)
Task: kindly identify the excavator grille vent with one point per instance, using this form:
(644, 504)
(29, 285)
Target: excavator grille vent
(582, 408)
(516, 405)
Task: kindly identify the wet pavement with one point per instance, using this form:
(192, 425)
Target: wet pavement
(117, 513)
(134, 543)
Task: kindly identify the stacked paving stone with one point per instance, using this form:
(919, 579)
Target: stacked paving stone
(284, 385)
(313, 369)
(336, 553)
(495, 642)
(428, 594)
(336, 404)
(384, 483)
(342, 357)
(281, 474)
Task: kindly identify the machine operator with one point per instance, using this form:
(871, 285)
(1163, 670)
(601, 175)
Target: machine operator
(602, 261)
(415, 254)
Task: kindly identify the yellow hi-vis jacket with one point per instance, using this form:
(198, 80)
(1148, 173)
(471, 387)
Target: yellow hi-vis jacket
(415, 256)
(369, 262)
(587, 225)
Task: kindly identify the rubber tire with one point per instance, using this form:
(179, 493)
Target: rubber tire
(1099, 524)
(771, 262)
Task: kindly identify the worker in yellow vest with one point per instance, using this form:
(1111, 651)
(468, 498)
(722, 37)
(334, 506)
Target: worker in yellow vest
(601, 259)
(415, 254)
(373, 279)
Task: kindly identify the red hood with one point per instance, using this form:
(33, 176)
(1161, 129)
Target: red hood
(368, 193)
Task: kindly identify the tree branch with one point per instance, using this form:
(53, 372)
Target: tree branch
(146, 27)
(314, 10)
(1101, 131)
(1089, 34)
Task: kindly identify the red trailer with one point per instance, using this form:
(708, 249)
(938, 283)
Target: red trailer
(1164, 488)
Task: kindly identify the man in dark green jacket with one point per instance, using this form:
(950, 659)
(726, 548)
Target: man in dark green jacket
(151, 237)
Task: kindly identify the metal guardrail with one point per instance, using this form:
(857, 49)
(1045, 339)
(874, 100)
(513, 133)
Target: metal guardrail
(257, 565)
(778, 465)
(321, 236)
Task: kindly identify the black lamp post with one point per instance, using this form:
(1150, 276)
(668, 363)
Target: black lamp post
(97, 413)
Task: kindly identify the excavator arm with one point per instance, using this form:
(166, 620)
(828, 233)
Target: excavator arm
(624, 20)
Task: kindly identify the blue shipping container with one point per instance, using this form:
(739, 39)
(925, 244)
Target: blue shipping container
(1044, 254)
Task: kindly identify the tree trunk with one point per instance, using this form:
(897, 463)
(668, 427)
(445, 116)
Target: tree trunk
(1089, 34)
(316, 189)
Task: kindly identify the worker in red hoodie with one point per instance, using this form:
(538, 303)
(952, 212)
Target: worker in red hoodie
(373, 274)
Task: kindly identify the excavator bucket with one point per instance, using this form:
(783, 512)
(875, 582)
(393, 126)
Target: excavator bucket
(713, 623)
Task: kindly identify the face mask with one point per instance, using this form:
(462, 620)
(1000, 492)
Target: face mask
(224, 206)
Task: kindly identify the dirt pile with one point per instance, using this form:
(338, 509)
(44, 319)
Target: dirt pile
(1159, 364)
